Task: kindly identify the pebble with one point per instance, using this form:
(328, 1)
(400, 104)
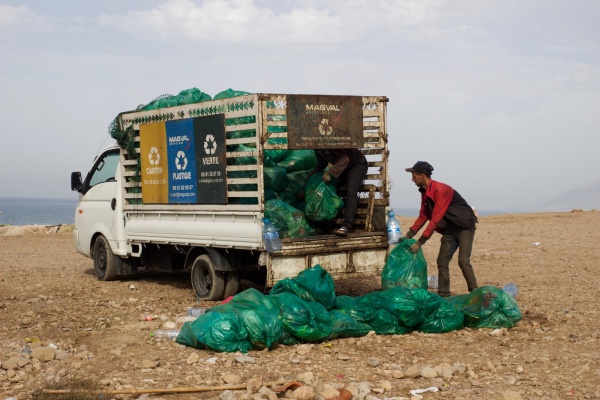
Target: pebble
(231, 379)
(428, 372)
(373, 362)
(303, 393)
(193, 358)
(343, 357)
(412, 371)
(43, 353)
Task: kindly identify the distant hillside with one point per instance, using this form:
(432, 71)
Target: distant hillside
(585, 197)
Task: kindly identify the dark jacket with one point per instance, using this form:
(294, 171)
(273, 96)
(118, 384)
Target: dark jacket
(442, 205)
(340, 159)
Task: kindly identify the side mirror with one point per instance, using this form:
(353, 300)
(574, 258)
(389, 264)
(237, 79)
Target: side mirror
(76, 183)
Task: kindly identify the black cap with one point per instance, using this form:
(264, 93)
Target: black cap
(422, 167)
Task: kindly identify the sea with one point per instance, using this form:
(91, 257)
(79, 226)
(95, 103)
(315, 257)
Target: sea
(37, 211)
(41, 211)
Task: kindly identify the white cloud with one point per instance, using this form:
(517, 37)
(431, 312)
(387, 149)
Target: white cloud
(245, 21)
(20, 20)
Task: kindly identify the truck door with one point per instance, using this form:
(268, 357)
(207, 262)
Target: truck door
(96, 208)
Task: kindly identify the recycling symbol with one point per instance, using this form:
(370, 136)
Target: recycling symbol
(154, 156)
(210, 146)
(325, 128)
(181, 161)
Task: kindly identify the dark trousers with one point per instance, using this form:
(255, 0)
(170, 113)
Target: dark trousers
(352, 178)
(454, 238)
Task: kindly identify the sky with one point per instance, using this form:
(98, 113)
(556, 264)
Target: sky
(501, 97)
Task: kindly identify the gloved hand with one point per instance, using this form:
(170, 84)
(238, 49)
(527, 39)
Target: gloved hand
(326, 177)
(409, 234)
(415, 247)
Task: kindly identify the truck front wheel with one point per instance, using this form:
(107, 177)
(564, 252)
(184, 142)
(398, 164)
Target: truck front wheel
(208, 283)
(105, 262)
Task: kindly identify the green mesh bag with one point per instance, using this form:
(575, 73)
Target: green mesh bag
(322, 202)
(403, 268)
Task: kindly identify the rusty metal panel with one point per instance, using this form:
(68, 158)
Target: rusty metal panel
(324, 122)
(340, 265)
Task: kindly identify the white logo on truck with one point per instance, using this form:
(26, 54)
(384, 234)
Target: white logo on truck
(325, 128)
(181, 161)
(210, 145)
(154, 156)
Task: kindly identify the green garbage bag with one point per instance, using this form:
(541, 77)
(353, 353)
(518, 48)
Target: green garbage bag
(292, 223)
(305, 320)
(410, 306)
(216, 331)
(313, 284)
(345, 326)
(259, 314)
(273, 156)
(322, 202)
(228, 93)
(487, 307)
(296, 185)
(380, 321)
(298, 160)
(445, 319)
(193, 95)
(275, 178)
(403, 268)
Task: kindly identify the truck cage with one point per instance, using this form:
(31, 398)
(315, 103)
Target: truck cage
(251, 120)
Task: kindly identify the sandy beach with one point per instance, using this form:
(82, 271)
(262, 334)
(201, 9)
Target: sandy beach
(97, 333)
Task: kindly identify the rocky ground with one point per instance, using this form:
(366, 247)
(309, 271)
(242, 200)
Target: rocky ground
(61, 327)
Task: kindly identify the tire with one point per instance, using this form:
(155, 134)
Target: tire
(232, 284)
(208, 283)
(105, 262)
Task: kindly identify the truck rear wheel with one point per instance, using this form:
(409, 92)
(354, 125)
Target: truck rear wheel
(105, 262)
(208, 283)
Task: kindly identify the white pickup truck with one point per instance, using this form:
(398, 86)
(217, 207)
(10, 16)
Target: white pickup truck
(174, 196)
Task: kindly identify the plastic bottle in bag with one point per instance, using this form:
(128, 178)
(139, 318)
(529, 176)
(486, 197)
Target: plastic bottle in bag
(432, 281)
(196, 311)
(270, 235)
(393, 228)
(170, 334)
(511, 289)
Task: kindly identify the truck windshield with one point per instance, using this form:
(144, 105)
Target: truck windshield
(105, 169)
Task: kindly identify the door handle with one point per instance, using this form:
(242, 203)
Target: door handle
(113, 204)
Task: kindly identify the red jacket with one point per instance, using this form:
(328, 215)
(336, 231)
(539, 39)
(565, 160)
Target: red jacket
(441, 205)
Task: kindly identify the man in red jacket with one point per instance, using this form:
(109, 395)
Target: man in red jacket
(449, 214)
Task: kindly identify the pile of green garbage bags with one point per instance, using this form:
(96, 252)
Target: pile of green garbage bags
(306, 309)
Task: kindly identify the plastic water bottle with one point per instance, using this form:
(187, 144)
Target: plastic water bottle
(393, 228)
(511, 289)
(432, 281)
(196, 311)
(270, 235)
(170, 334)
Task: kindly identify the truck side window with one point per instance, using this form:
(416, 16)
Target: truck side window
(105, 169)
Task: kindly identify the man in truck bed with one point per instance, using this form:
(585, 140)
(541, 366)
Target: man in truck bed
(349, 166)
